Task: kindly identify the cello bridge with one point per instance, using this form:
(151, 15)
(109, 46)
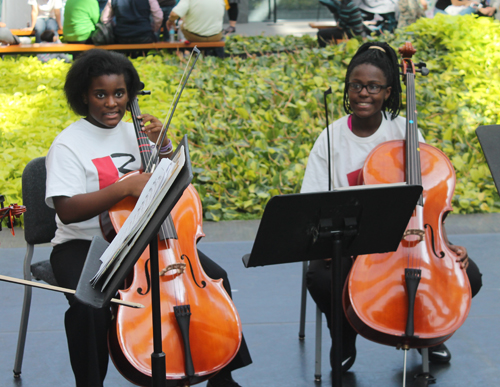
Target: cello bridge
(179, 267)
(419, 233)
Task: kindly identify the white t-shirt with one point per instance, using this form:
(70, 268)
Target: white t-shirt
(46, 7)
(377, 6)
(201, 17)
(85, 158)
(349, 153)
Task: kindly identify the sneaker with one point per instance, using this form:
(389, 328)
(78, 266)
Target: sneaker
(439, 354)
(229, 30)
(222, 381)
(348, 357)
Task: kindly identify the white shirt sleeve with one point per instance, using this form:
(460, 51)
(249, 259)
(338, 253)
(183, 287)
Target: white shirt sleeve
(181, 8)
(316, 175)
(65, 175)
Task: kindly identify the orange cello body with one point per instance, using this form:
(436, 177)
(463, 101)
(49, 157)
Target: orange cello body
(215, 327)
(376, 300)
(419, 295)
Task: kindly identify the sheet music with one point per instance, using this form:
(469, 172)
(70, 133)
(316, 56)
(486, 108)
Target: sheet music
(152, 195)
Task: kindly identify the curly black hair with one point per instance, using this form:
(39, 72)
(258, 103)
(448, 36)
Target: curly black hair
(387, 61)
(92, 64)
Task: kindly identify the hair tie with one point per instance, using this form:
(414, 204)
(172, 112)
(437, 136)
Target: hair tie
(376, 47)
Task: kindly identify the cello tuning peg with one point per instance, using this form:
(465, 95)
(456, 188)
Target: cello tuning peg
(423, 68)
(424, 71)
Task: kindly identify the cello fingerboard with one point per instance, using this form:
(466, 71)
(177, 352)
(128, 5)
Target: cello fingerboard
(167, 230)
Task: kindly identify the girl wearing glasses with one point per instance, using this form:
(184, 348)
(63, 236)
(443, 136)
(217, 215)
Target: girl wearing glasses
(372, 102)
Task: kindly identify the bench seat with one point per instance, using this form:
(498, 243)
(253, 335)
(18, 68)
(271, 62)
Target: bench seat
(323, 25)
(23, 32)
(42, 48)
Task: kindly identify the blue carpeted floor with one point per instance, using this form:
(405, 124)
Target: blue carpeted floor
(268, 300)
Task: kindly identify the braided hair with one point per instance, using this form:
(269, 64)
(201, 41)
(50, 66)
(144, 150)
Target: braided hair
(384, 58)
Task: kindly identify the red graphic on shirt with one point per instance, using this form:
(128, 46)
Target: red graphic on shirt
(106, 170)
(352, 177)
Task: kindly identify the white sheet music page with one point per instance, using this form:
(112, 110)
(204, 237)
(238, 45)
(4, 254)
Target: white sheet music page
(152, 195)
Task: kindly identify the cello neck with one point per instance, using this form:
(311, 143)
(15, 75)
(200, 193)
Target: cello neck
(142, 138)
(413, 168)
(149, 160)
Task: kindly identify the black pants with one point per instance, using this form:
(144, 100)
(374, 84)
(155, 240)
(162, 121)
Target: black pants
(318, 279)
(87, 327)
(327, 35)
(232, 12)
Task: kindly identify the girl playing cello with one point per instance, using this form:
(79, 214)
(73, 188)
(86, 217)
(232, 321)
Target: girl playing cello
(372, 102)
(82, 164)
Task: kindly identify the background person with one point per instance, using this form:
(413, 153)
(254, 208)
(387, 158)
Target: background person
(410, 11)
(349, 22)
(135, 21)
(232, 14)
(166, 7)
(45, 15)
(201, 19)
(80, 18)
(6, 37)
(456, 7)
(50, 37)
(384, 8)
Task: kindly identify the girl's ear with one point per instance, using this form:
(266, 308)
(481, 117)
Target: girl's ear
(388, 92)
(85, 101)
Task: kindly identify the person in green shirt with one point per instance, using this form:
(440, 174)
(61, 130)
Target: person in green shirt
(80, 18)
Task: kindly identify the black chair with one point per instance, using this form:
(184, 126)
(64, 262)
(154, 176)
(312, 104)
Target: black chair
(39, 227)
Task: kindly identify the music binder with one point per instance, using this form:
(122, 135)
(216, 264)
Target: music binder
(91, 296)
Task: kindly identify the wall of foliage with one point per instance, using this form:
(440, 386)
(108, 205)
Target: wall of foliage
(252, 119)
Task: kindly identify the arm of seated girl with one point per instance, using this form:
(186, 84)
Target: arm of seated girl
(85, 206)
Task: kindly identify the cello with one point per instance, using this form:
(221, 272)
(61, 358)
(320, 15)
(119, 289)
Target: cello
(200, 326)
(419, 295)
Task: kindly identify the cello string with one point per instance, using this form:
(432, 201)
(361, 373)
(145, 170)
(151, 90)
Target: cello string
(145, 147)
(156, 155)
(146, 156)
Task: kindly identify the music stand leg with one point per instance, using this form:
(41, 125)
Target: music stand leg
(336, 274)
(158, 365)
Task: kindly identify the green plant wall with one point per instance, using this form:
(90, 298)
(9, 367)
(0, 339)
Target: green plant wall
(252, 119)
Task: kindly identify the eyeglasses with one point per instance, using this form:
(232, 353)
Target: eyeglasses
(372, 88)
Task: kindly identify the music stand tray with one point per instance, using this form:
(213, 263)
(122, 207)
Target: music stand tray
(291, 225)
(489, 138)
(345, 222)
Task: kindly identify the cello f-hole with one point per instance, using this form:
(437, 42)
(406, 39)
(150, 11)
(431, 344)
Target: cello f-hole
(148, 279)
(440, 255)
(203, 283)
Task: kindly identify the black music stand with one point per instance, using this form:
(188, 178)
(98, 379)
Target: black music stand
(88, 295)
(344, 222)
(489, 138)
